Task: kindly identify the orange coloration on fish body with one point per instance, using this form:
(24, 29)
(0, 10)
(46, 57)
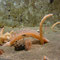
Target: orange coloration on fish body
(30, 33)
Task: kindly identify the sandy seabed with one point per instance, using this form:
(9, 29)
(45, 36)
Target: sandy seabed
(37, 52)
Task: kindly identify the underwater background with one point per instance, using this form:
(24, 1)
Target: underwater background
(19, 13)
